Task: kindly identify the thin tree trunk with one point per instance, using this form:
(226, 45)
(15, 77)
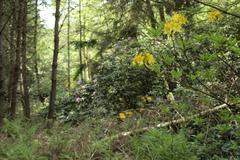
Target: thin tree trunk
(1, 70)
(86, 53)
(54, 63)
(35, 50)
(26, 101)
(12, 52)
(80, 39)
(85, 47)
(17, 63)
(68, 48)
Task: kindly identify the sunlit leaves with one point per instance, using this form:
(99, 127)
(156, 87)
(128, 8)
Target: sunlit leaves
(155, 67)
(207, 57)
(176, 74)
(168, 59)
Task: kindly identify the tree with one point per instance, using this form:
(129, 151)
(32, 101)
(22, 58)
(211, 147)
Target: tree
(12, 35)
(35, 37)
(68, 47)
(54, 63)
(1, 68)
(80, 39)
(26, 101)
(17, 62)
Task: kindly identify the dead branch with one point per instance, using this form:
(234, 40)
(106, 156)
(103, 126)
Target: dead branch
(165, 124)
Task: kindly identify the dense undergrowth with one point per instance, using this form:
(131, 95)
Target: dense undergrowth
(215, 136)
(178, 69)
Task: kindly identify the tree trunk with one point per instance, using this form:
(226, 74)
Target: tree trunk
(86, 53)
(1, 69)
(17, 63)
(85, 48)
(26, 101)
(68, 48)
(80, 39)
(12, 52)
(35, 51)
(54, 63)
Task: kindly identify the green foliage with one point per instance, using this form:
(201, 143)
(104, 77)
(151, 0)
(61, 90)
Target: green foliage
(199, 65)
(23, 145)
(119, 85)
(90, 43)
(217, 137)
(76, 107)
(161, 145)
(116, 87)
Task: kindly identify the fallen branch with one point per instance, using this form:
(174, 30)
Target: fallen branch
(165, 124)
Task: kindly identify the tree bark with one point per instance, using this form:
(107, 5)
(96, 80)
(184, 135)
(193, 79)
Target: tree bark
(86, 53)
(85, 48)
(26, 101)
(15, 77)
(80, 39)
(68, 48)
(54, 63)
(1, 69)
(35, 51)
(12, 35)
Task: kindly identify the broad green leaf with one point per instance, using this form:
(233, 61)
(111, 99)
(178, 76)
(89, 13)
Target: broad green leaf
(176, 74)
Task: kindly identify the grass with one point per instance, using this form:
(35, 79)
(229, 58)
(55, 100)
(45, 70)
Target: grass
(33, 141)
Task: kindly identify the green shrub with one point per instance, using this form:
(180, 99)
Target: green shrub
(161, 145)
(117, 86)
(217, 135)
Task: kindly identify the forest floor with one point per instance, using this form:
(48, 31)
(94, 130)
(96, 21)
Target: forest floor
(103, 138)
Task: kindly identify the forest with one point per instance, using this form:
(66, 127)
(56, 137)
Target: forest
(119, 79)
